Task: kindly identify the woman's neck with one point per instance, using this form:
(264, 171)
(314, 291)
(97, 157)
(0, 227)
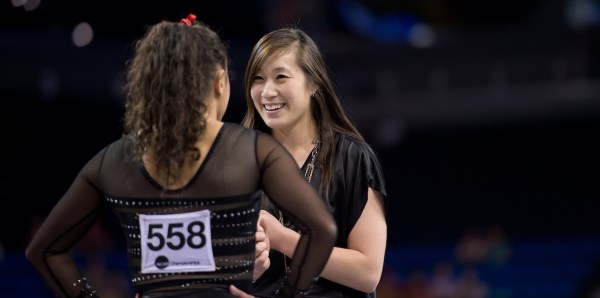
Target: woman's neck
(296, 136)
(298, 140)
(191, 164)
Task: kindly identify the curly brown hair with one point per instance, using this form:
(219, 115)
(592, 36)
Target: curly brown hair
(168, 79)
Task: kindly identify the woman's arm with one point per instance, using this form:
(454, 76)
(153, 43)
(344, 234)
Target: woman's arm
(237, 292)
(365, 252)
(305, 208)
(49, 249)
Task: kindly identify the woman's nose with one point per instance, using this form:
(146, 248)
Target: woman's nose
(268, 90)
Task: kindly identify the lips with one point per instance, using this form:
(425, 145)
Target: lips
(273, 107)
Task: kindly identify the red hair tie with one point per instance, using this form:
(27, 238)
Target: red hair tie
(189, 20)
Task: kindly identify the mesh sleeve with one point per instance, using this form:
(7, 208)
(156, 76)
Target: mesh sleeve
(288, 189)
(69, 220)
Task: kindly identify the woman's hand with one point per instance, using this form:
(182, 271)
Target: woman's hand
(261, 257)
(280, 237)
(272, 228)
(239, 293)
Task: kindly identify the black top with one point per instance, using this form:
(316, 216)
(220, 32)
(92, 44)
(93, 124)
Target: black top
(226, 189)
(356, 169)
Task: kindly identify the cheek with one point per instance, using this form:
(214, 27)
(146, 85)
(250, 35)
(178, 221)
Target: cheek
(257, 106)
(255, 94)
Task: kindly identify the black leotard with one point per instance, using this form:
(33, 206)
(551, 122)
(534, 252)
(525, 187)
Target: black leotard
(240, 163)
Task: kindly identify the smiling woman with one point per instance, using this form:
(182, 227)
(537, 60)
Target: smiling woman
(281, 94)
(290, 95)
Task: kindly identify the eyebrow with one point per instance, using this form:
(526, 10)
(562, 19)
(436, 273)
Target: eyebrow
(280, 68)
(275, 70)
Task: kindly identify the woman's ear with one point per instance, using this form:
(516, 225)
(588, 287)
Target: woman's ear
(313, 89)
(220, 82)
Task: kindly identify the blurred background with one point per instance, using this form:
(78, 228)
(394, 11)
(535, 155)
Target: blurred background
(485, 114)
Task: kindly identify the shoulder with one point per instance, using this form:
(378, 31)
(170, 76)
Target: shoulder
(112, 153)
(348, 141)
(236, 133)
(351, 146)
(355, 154)
(230, 126)
(238, 129)
(360, 162)
(116, 150)
(242, 136)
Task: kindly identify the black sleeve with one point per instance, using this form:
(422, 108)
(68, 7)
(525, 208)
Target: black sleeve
(69, 220)
(287, 188)
(357, 169)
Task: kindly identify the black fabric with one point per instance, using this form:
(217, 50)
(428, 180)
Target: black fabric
(239, 164)
(193, 293)
(356, 169)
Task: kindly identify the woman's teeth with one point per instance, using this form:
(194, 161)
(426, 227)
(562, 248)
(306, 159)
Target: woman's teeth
(273, 107)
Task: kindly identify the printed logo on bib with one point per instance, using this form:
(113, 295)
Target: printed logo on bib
(176, 243)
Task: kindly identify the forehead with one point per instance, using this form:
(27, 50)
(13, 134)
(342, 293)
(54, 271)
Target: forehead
(284, 60)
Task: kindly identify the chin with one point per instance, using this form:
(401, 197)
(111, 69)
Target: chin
(274, 124)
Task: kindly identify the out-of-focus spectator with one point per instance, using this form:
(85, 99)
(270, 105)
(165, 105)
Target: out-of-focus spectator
(477, 247)
(472, 248)
(416, 286)
(499, 248)
(390, 284)
(443, 281)
(470, 286)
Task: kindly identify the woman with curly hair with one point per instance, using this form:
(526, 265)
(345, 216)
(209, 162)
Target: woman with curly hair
(185, 185)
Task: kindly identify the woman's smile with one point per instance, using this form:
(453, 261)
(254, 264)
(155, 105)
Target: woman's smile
(273, 107)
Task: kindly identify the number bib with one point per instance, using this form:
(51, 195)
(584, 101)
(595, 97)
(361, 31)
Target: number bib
(176, 243)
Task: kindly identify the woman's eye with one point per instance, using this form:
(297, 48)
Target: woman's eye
(281, 76)
(256, 78)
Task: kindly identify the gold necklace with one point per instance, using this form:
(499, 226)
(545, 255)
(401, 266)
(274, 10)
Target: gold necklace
(308, 173)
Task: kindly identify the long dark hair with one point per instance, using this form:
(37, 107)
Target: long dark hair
(167, 82)
(326, 108)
